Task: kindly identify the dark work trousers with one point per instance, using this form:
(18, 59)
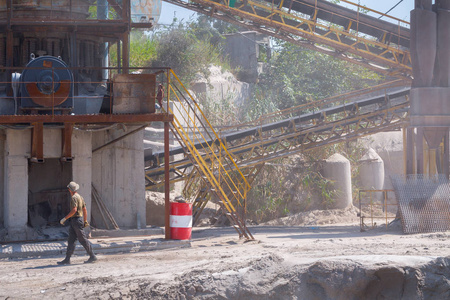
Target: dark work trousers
(76, 232)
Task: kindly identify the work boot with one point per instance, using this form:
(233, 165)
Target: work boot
(66, 261)
(91, 259)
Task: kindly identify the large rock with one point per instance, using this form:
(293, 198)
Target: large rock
(221, 86)
(339, 278)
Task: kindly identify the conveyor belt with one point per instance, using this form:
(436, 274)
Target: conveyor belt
(345, 33)
(297, 129)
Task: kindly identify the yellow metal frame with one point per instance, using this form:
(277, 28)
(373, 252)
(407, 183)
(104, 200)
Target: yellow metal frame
(254, 150)
(226, 170)
(209, 156)
(325, 37)
(371, 204)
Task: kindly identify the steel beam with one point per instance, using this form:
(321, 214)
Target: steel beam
(409, 150)
(419, 151)
(446, 156)
(67, 142)
(166, 181)
(87, 119)
(37, 143)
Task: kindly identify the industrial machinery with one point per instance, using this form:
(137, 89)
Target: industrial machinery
(46, 84)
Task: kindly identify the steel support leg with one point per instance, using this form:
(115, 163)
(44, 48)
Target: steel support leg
(419, 150)
(37, 143)
(67, 142)
(166, 181)
(409, 150)
(446, 156)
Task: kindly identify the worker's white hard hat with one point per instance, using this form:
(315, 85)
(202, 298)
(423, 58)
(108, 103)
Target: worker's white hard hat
(73, 186)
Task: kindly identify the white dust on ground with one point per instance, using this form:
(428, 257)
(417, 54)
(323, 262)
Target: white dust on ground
(318, 217)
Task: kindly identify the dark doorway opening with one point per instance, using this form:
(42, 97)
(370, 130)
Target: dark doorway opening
(48, 198)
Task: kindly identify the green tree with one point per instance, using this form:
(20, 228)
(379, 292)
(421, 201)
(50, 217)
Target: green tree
(297, 76)
(142, 49)
(187, 49)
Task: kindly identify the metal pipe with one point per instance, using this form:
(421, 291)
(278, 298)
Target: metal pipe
(118, 139)
(166, 181)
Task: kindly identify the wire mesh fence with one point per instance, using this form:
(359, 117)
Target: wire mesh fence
(424, 202)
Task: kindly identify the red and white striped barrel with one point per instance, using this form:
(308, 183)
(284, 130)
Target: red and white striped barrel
(180, 221)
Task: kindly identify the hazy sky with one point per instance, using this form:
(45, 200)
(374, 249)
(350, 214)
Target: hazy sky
(401, 11)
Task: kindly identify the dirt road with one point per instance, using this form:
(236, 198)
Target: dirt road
(320, 262)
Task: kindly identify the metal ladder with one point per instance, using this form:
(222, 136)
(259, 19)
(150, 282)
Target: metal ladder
(215, 168)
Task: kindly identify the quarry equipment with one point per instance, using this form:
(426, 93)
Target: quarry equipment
(349, 34)
(46, 83)
(281, 134)
(62, 95)
(383, 46)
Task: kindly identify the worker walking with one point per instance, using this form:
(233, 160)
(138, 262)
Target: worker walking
(77, 218)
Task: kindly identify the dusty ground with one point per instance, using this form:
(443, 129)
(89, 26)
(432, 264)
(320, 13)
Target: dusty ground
(300, 262)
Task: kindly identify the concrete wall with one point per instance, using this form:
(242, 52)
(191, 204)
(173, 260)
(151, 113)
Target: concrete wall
(117, 171)
(17, 150)
(18, 177)
(82, 165)
(243, 50)
(2, 176)
(118, 175)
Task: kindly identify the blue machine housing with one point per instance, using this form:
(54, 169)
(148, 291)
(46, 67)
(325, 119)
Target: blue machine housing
(46, 82)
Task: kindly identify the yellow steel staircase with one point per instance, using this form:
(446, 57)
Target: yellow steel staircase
(217, 174)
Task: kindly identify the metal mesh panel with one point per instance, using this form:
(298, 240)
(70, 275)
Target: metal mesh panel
(423, 202)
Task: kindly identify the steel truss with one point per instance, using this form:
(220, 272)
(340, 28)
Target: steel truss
(346, 34)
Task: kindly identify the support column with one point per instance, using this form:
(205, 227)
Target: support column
(125, 53)
(419, 150)
(9, 58)
(16, 184)
(409, 150)
(74, 59)
(446, 156)
(102, 14)
(166, 181)
(126, 38)
(37, 143)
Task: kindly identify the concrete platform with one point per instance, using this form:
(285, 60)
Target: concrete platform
(128, 244)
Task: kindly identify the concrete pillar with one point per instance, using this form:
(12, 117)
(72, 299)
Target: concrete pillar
(17, 150)
(337, 169)
(82, 165)
(2, 176)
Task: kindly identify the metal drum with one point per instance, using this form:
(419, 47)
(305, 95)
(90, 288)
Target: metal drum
(180, 221)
